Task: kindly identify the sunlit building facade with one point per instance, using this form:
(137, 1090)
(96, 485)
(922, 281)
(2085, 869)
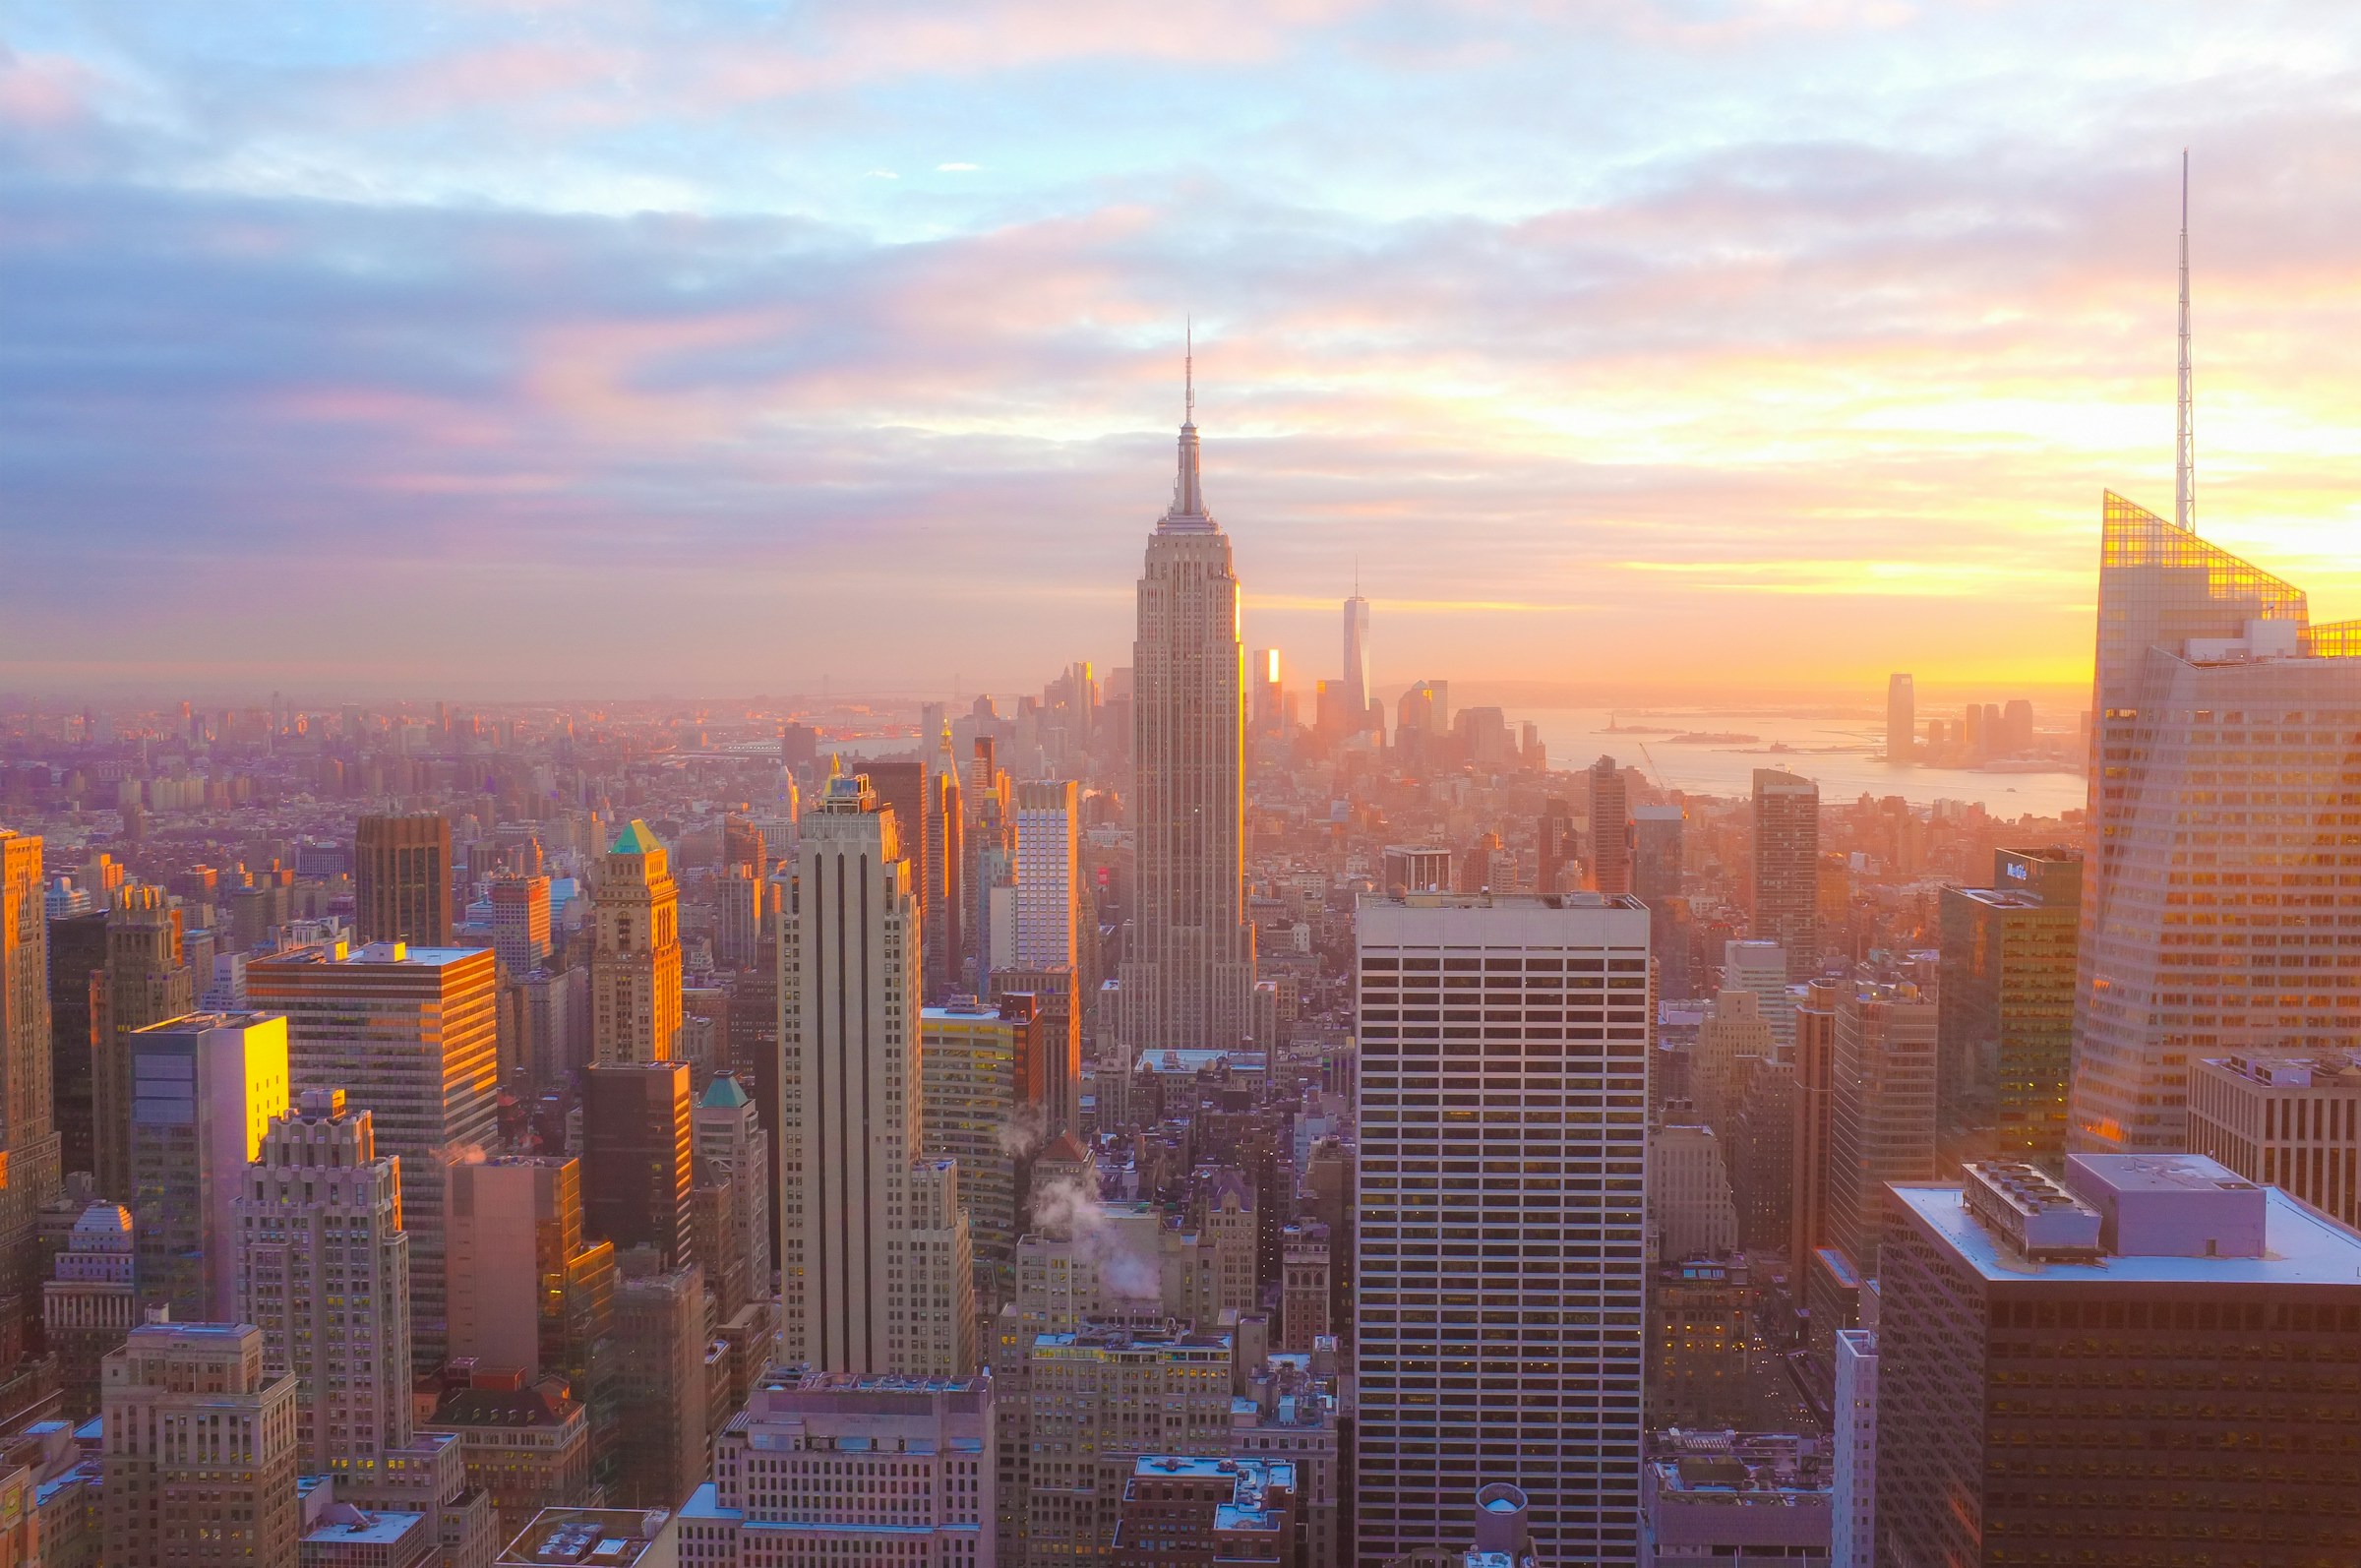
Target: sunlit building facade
(2224, 887)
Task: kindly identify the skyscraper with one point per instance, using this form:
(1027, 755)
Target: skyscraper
(1048, 874)
(985, 1104)
(1881, 1113)
(520, 923)
(324, 1268)
(857, 1200)
(2030, 1331)
(147, 981)
(550, 1314)
(204, 1090)
(1787, 866)
(1901, 720)
(174, 1495)
(2007, 1003)
(2224, 730)
(1499, 1333)
(638, 1152)
(1356, 694)
(1610, 830)
(28, 1144)
(401, 880)
(1190, 979)
(636, 952)
(77, 981)
(408, 1032)
(901, 788)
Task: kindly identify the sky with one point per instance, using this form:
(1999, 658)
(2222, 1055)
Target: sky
(1677, 351)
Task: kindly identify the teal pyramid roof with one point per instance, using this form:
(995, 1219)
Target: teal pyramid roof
(724, 1092)
(635, 840)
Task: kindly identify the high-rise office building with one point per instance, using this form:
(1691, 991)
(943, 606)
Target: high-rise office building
(1815, 1102)
(324, 1270)
(985, 1104)
(520, 923)
(858, 1200)
(1190, 979)
(850, 1469)
(1901, 720)
(636, 952)
(90, 1304)
(1102, 1395)
(733, 1153)
(408, 1032)
(77, 982)
(1610, 830)
(2210, 915)
(2007, 1003)
(1880, 1111)
(637, 1153)
(947, 923)
(552, 1314)
(204, 1090)
(660, 1387)
(1499, 1335)
(203, 1450)
(1761, 968)
(401, 880)
(29, 1141)
(738, 896)
(1048, 874)
(1853, 1499)
(1787, 866)
(1055, 989)
(1656, 853)
(901, 788)
(2151, 1361)
(1356, 694)
(147, 981)
(2289, 1122)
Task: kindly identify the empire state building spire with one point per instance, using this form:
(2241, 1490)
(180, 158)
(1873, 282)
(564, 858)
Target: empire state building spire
(1188, 490)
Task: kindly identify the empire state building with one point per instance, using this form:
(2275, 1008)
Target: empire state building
(1189, 980)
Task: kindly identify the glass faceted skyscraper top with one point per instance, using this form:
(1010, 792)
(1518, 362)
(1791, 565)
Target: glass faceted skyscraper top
(2222, 909)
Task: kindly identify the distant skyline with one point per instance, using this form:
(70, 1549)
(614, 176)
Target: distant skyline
(1687, 353)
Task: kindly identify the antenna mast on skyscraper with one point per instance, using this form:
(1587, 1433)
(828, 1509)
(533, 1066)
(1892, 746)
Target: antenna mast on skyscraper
(2184, 457)
(1188, 361)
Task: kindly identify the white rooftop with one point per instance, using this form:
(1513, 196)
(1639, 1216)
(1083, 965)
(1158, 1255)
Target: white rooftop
(2300, 1247)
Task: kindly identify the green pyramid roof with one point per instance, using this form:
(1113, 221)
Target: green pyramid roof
(635, 840)
(724, 1092)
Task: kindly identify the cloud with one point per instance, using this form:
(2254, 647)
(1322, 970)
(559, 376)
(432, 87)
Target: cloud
(1687, 356)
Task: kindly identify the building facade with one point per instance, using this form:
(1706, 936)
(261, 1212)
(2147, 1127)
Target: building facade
(410, 1035)
(2285, 1121)
(29, 1140)
(401, 880)
(2207, 929)
(826, 1470)
(2153, 1357)
(1786, 867)
(636, 952)
(205, 1089)
(1190, 976)
(324, 1270)
(1458, 1387)
(202, 1449)
(861, 1212)
(2007, 1003)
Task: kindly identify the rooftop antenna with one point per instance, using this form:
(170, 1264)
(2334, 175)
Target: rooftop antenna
(1188, 360)
(2184, 457)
